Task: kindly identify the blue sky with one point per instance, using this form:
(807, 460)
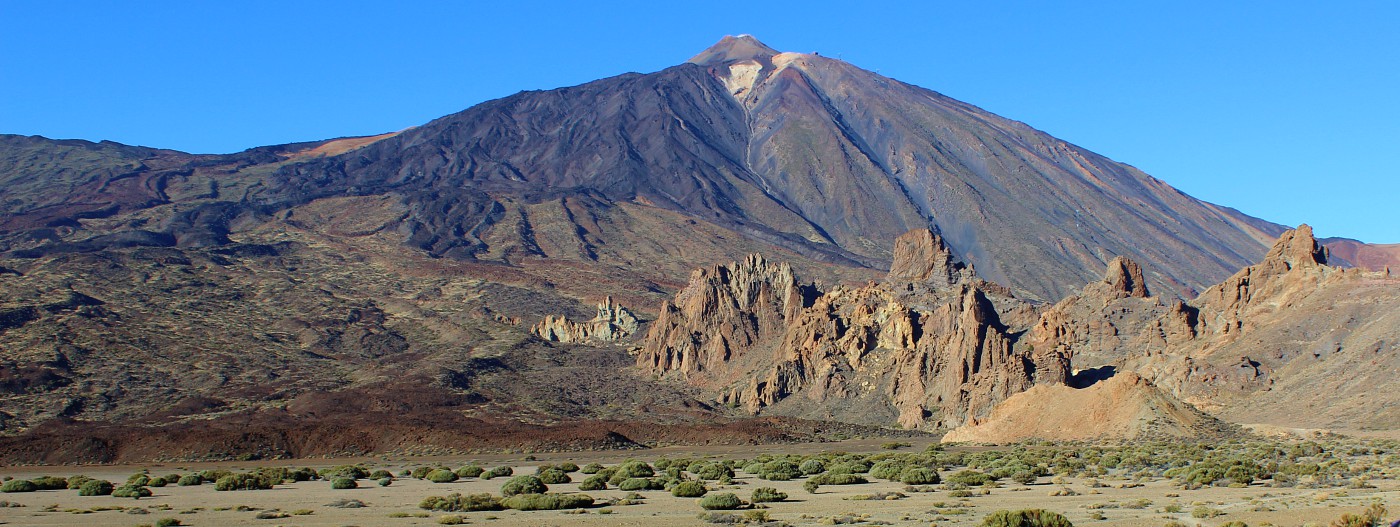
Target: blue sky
(1289, 111)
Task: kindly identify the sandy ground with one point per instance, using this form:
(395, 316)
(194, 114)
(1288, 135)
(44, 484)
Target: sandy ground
(199, 505)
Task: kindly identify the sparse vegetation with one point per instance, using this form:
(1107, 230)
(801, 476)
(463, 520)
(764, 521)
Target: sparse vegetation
(96, 487)
(461, 503)
(19, 485)
(724, 501)
(554, 476)
(689, 489)
(498, 472)
(524, 485)
(767, 495)
(131, 491)
(344, 483)
(442, 475)
(539, 502)
(1025, 518)
(242, 482)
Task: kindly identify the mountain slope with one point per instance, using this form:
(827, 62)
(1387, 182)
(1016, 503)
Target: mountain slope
(806, 152)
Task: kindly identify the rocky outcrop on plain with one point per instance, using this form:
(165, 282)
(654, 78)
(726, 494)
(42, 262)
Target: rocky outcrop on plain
(1124, 406)
(612, 323)
(925, 349)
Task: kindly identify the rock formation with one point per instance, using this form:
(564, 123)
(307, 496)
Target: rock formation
(612, 323)
(1274, 343)
(933, 346)
(926, 348)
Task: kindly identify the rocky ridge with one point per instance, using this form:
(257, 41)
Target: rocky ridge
(928, 347)
(1289, 328)
(933, 346)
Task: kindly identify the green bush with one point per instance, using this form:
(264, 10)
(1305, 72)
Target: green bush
(343, 483)
(442, 475)
(828, 478)
(381, 474)
(384, 482)
(888, 470)
(19, 485)
(168, 522)
(754, 468)
(767, 494)
(971, 478)
(919, 476)
(567, 467)
(190, 480)
(630, 469)
(591, 468)
(725, 501)
(214, 475)
(345, 471)
(242, 482)
(713, 471)
(636, 484)
(780, 470)
(470, 471)
(498, 472)
(96, 487)
(76, 482)
(131, 491)
(1025, 518)
(812, 466)
(594, 482)
(689, 489)
(523, 485)
(274, 475)
(156, 482)
(1024, 477)
(554, 476)
(50, 483)
(546, 502)
(140, 478)
(308, 474)
(420, 472)
(461, 503)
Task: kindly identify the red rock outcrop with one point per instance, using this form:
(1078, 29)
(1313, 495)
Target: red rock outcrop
(612, 323)
(927, 348)
(721, 312)
(921, 255)
(1288, 341)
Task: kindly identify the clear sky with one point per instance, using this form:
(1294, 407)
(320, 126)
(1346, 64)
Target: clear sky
(1289, 111)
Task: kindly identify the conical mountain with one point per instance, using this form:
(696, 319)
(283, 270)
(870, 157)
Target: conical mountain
(806, 152)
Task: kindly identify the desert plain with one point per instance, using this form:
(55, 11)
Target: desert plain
(1091, 496)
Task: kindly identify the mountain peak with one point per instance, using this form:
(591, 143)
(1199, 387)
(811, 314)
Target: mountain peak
(732, 48)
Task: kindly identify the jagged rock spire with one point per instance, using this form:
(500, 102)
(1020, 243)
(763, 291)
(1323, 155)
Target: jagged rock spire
(1297, 248)
(921, 255)
(1124, 276)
